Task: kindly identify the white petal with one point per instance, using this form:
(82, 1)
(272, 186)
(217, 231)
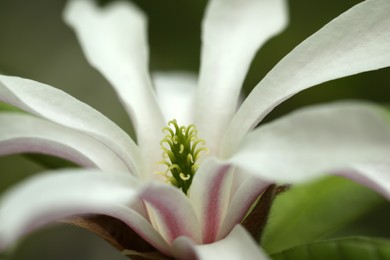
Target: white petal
(375, 175)
(24, 133)
(171, 212)
(175, 94)
(55, 105)
(233, 31)
(354, 42)
(144, 228)
(114, 41)
(237, 245)
(54, 195)
(316, 140)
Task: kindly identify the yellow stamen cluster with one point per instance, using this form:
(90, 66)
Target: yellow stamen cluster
(180, 152)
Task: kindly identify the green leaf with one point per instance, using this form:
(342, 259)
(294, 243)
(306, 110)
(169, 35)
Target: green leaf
(311, 211)
(343, 249)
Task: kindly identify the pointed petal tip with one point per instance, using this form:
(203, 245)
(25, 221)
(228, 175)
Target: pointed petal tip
(114, 41)
(232, 33)
(75, 9)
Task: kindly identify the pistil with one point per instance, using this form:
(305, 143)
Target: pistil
(181, 148)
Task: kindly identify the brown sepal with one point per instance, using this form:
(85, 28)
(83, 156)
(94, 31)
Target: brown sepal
(118, 234)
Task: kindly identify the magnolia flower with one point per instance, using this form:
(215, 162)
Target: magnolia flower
(194, 207)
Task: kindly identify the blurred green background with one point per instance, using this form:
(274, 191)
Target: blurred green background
(36, 44)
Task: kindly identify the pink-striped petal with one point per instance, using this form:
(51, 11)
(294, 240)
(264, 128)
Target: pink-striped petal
(54, 195)
(314, 141)
(114, 41)
(233, 31)
(171, 213)
(55, 105)
(210, 194)
(21, 133)
(237, 245)
(248, 189)
(142, 226)
(356, 41)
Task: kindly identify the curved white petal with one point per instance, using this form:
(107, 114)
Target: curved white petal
(175, 94)
(57, 106)
(233, 31)
(25, 133)
(48, 197)
(171, 213)
(356, 41)
(375, 175)
(315, 140)
(209, 195)
(237, 245)
(114, 41)
(142, 226)
(248, 189)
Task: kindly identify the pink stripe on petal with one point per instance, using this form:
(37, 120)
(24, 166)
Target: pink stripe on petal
(142, 227)
(54, 105)
(246, 194)
(171, 213)
(20, 132)
(55, 195)
(214, 205)
(210, 196)
(29, 145)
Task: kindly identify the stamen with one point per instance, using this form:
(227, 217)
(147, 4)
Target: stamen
(190, 159)
(181, 148)
(183, 177)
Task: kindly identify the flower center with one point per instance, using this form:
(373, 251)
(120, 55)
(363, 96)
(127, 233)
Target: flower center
(180, 152)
